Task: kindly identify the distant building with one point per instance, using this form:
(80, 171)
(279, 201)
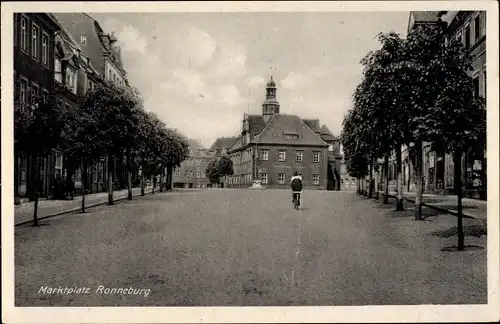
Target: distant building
(272, 146)
(191, 172)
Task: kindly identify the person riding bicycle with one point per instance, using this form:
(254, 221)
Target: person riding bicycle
(296, 184)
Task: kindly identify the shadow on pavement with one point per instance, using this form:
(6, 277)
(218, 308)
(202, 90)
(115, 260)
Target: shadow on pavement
(469, 230)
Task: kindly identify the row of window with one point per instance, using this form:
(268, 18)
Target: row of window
(199, 174)
(472, 31)
(32, 37)
(299, 156)
(282, 178)
(30, 92)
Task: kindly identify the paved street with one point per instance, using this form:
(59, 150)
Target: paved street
(222, 247)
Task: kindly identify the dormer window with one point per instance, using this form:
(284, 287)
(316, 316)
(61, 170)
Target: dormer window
(291, 136)
(83, 40)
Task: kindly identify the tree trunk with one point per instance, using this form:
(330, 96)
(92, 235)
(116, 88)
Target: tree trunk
(154, 185)
(161, 180)
(370, 180)
(358, 186)
(129, 174)
(36, 188)
(376, 185)
(169, 176)
(386, 178)
(419, 178)
(399, 185)
(17, 196)
(457, 161)
(84, 183)
(142, 181)
(110, 179)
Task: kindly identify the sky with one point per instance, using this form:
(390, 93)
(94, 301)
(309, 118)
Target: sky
(200, 72)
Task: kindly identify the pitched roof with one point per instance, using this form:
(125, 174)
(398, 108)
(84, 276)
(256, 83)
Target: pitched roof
(288, 129)
(326, 134)
(79, 24)
(223, 143)
(256, 124)
(195, 148)
(313, 124)
(237, 144)
(425, 16)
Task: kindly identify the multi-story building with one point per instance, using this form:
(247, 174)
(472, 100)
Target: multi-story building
(92, 56)
(191, 172)
(33, 80)
(469, 27)
(273, 146)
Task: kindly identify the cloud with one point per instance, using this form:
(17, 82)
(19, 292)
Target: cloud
(129, 38)
(195, 45)
(295, 80)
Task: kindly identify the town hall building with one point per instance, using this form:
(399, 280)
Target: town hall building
(272, 146)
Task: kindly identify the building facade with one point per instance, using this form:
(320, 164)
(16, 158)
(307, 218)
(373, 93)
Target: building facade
(191, 172)
(88, 56)
(469, 27)
(272, 146)
(33, 80)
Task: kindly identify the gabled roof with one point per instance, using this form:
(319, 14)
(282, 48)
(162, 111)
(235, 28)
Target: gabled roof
(313, 124)
(195, 148)
(326, 134)
(280, 126)
(425, 16)
(237, 144)
(256, 124)
(78, 24)
(223, 143)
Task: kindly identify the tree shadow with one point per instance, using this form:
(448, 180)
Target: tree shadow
(476, 230)
(466, 248)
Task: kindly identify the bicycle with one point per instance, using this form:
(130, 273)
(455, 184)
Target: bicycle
(296, 201)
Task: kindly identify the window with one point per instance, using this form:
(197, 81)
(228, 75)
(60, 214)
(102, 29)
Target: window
(83, 40)
(57, 70)
(265, 155)
(291, 135)
(45, 49)
(198, 173)
(477, 28)
(24, 33)
(467, 36)
(23, 94)
(59, 162)
(484, 82)
(67, 107)
(298, 156)
(35, 92)
(316, 179)
(458, 37)
(281, 155)
(71, 79)
(34, 41)
(178, 172)
(90, 85)
(281, 178)
(45, 95)
(476, 87)
(316, 157)
(263, 177)
(190, 173)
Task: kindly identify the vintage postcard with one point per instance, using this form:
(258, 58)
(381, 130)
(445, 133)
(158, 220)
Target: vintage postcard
(250, 162)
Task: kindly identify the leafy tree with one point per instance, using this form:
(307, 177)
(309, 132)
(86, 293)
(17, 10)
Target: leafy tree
(224, 166)
(212, 172)
(457, 120)
(117, 111)
(37, 132)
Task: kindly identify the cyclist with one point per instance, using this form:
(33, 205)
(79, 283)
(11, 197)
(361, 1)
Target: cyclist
(296, 184)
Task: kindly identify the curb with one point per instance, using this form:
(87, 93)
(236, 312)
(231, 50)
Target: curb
(444, 210)
(75, 210)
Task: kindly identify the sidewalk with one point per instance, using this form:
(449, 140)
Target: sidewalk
(24, 212)
(472, 208)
